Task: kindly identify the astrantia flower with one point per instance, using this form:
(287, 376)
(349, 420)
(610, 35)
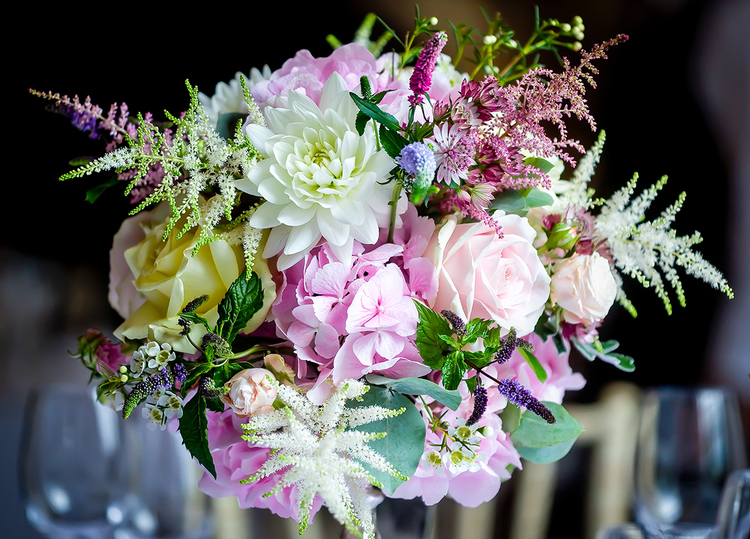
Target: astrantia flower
(454, 153)
(320, 179)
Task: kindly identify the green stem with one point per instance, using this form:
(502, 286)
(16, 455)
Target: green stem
(394, 210)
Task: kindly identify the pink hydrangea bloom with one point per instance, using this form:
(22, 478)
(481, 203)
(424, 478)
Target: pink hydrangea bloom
(356, 317)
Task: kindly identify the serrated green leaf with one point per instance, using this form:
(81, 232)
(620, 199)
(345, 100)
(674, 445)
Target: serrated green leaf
(215, 405)
(392, 142)
(453, 370)
(450, 341)
(472, 383)
(431, 326)
(476, 329)
(194, 432)
(243, 299)
(361, 122)
(95, 192)
(403, 444)
(535, 432)
(534, 364)
(374, 112)
(418, 386)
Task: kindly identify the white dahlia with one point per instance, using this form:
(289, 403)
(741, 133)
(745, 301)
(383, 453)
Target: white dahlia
(320, 178)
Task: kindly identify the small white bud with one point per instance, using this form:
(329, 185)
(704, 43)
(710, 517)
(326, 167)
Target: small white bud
(565, 27)
(577, 46)
(490, 40)
(512, 43)
(124, 378)
(433, 21)
(577, 20)
(577, 34)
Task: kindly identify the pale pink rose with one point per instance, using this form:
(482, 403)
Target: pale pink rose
(250, 393)
(585, 288)
(484, 276)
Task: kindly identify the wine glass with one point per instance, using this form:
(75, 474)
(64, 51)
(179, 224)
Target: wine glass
(689, 441)
(70, 463)
(163, 500)
(733, 521)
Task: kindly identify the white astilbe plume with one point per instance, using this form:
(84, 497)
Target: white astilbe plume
(314, 448)
(579, 193)
(642, 249)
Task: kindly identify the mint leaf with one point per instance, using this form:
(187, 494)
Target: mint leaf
(453, 370)
(195, 319)
(392, 141)
(195, 374)
(243, 299)
(431, 326)
(475, 329)
(194, 431)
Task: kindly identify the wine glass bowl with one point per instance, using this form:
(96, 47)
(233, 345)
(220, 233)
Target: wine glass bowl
(689, 441)
(70, 463)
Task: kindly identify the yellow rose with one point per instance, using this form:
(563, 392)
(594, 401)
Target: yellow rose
(168, 276)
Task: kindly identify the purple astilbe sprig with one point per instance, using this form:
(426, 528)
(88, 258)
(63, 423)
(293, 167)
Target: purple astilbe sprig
(163, 379)
(516, 393)
(480, 405)
(421, 78)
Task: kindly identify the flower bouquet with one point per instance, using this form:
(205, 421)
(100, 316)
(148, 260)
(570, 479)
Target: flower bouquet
(366, 269)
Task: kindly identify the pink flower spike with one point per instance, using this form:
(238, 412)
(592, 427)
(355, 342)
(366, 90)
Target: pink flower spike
(421, 79)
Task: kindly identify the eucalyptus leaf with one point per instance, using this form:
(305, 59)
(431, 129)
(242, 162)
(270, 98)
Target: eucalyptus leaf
(511, 417)
(418, 386)
(403, 444)
(508, 200)
(534, 432)
(194, 432)
(537, 198)
(545, 455)
(537, 162)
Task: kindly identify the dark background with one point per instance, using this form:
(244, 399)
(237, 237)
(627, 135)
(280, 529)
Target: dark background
(54, 251)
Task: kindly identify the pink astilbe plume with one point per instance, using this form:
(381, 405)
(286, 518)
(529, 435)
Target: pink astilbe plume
(542, 95)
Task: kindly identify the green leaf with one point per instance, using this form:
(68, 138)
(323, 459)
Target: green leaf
(545, 455)
(374, 112)
(194, 432)
(361, 122)
(196, 319)
(431, 326)
(508, 200)
(534, 364)
(227, 124)
(418, 386)
(392, 141)
(537, 198)
(95, 192)
(453, 370)
(511, 417)
(541, 442)
(215, 405)
(537, 162)
(198, 371)
(403, 444)
(621, 361)
(243, 299)
(475, 329)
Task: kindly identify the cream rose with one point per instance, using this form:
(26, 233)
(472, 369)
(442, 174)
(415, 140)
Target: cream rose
(168, 276)
(585, 288)
(250, 393)
(484, 276)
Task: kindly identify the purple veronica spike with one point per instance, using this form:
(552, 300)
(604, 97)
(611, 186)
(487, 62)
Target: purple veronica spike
(421, 79)
(164, 379)
(519, 395)
(455, 322)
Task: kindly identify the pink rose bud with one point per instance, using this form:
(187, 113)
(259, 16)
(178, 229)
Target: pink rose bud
(276, 364)
(250, 393)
